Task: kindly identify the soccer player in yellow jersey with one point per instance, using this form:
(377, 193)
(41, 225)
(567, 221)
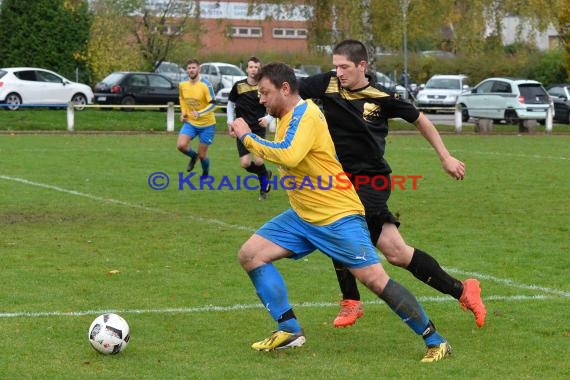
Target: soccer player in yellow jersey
(197, 103)
(327, 216)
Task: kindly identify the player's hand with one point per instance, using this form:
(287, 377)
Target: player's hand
(183, 117)
(240, 127)
(195, 114)
(262, 122)
(454, 167)
(231, 130)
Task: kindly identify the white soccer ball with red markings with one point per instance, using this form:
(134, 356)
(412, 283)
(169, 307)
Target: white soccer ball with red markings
(109, 334)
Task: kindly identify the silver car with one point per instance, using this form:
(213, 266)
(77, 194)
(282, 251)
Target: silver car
(440, 92)
(221, 75)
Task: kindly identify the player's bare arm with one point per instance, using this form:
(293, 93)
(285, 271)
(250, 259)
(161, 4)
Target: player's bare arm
(452, 166)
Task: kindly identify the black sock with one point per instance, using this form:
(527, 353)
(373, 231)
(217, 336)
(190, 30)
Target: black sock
(347, 282)
(256, 169)
(427, 269)
(286, 316)
(260, 170)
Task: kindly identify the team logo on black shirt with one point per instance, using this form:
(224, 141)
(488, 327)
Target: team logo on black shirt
(371, 111)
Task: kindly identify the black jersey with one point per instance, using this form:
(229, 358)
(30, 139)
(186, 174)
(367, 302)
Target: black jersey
(246, 99)
(358, 120)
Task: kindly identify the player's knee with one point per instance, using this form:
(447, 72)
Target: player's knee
(181, 147)
(245, 256)
(376, 283)
(395, 254)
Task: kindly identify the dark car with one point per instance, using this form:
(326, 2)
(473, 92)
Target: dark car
(130, 88)
(560, 94)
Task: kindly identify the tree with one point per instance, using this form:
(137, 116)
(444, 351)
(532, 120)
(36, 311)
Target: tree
(109, 48)
(51, 34)
(564, 33)
(139, 34)
(161, 28)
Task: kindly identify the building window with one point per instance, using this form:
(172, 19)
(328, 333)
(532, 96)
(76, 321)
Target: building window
(245, 31)
(289, 33)
(168, 30)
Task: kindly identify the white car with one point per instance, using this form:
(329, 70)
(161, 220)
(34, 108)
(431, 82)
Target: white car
(221, 75)
(508, 99)
(223, 95)
(440, 92)
(32, 86)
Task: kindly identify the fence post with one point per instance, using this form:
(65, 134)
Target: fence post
(70, 117)
(458, 119)
(170, 117)
(548, 122)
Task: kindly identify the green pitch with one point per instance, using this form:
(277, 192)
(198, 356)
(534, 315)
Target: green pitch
(81, 232)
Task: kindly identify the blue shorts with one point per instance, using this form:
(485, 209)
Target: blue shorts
(205, 134)
(347, 240)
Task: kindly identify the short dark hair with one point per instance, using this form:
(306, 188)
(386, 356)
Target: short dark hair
(254, 59)
(279, 73)
(193, 61)
(354, 50)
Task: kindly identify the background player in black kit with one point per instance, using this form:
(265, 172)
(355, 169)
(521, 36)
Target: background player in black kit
(243, 102)
(357, 113)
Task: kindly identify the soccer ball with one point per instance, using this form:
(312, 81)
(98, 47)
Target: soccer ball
(109, 334)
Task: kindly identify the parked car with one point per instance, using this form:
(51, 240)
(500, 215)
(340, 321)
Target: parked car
(221, 75)
(509, 99)
(560, 94)
(299, 73)
(391, 85)
(172, 71)
(130, 88)
(440, 92)
(223, 95)
(34, 86)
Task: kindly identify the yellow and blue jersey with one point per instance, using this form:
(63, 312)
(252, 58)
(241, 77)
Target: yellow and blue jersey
(304, 150)
(199, 97)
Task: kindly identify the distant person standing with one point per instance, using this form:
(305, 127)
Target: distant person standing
(243, 102)
(197, 103)
(406, 82)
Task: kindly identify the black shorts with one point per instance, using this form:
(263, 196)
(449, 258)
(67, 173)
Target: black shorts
(242, 150)
(376, 208)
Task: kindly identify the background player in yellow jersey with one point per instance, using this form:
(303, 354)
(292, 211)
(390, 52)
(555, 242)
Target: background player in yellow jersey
(197, 103)
(327, 218)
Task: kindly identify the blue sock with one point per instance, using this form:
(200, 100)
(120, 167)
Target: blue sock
(272, 292)
(205, 165)
(403, 303)
(191, 153)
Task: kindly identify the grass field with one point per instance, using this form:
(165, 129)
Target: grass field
(74, 208)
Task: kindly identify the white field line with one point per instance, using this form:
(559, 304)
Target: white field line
(506, 154)
(518, 155)
(480, 276)
(510, 283)
(212, 308)
(123, 203)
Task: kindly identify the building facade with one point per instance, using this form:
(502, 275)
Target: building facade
(236, 27)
